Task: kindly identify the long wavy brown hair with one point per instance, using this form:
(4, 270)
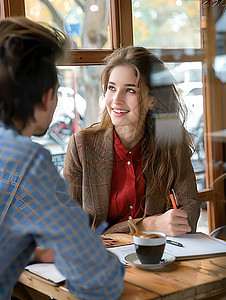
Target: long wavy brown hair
(166, 145)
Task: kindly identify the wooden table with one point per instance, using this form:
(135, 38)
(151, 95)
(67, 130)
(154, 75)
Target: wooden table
(190, 279)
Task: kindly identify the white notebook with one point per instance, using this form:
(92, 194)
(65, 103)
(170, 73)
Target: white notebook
(197, 245)
(47, 272)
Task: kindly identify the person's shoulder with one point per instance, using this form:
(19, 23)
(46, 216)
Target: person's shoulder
(22, 151)
(12, 140)
(91, 138)
(30, 145)
(26, 146)
(85, 135)
(40, 159)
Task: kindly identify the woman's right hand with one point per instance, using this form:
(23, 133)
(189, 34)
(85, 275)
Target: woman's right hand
(173, 222)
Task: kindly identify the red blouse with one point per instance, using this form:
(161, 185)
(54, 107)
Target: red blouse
(127, 184)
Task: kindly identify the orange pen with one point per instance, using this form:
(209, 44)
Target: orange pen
(173, 198)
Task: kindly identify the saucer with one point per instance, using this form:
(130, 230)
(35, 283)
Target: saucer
(133, 259)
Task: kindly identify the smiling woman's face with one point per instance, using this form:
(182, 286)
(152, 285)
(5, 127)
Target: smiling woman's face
(122, 97)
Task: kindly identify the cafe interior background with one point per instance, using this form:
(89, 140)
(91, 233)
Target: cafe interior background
(189, 35)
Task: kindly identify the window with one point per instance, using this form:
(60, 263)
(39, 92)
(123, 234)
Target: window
(191, 93)
(77, 84)
(166, 24)
(85, 22)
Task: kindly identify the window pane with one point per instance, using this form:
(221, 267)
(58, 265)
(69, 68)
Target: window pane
(203, 224)
(79, 96)
(189, 78)
(166, 24)
(85, 22)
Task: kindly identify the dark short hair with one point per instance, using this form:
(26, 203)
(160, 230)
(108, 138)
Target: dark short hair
(28, 54)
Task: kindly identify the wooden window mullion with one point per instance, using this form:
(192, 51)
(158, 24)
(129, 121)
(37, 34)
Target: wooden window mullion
(14, 8)
(125, 22)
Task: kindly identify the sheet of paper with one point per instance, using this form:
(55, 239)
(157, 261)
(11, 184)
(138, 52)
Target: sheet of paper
(122, 251)
(195, 245)
(47, 271)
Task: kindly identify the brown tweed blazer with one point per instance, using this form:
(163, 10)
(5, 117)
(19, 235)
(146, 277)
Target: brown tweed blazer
(88, 171)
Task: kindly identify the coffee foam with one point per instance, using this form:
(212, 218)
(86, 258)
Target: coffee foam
(144, 241)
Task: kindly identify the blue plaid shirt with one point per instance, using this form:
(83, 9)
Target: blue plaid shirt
(37, 210)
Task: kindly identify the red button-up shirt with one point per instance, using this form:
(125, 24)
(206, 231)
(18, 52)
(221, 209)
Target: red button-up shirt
(127, 184)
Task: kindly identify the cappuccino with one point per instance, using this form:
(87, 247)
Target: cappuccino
(150, 246)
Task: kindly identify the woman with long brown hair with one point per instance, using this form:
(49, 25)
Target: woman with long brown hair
(126, 165)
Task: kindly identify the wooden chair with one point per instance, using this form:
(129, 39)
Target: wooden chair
(219, 233)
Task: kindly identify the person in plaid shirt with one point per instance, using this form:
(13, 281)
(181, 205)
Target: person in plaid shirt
(36, 208)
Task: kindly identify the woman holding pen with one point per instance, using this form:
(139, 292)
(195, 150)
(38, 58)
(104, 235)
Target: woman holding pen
(126, 165)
